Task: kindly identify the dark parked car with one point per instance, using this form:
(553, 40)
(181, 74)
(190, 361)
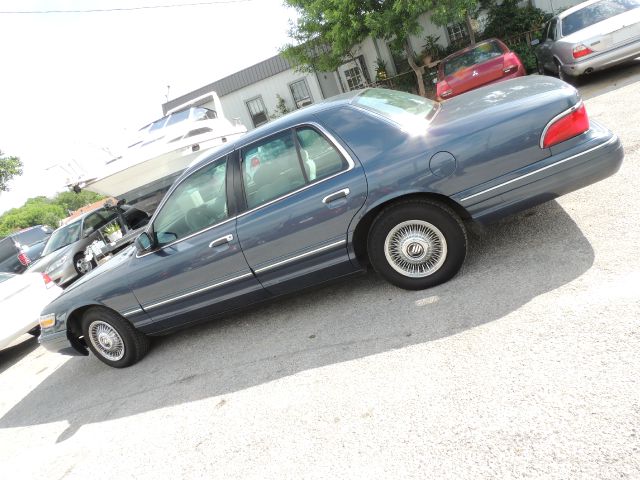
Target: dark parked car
(19, 249)
(63, 257)
(373, 176)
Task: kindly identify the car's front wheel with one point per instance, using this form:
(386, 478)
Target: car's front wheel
(417, 244)
(113, 339)
(81, 265)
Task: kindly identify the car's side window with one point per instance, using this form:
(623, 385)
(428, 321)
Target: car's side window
(197, 203)
(551, 34)
(271, 169)
(320, 159)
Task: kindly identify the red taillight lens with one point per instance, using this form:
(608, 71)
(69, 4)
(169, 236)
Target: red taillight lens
(569, 126)
(24, 259)
(47, 280)
(581, 51)
(511, 63)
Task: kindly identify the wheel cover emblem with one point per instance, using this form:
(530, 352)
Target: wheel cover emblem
(415, 248)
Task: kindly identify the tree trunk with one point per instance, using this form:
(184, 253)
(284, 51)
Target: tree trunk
(419, 71)
(472, 35)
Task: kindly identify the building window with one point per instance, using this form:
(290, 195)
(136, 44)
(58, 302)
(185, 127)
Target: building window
(300, 93)
(354, 78)
(257, 111)
(457, 32)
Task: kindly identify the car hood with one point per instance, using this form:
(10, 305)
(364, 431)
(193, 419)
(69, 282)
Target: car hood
(43, 263)
(111, 265)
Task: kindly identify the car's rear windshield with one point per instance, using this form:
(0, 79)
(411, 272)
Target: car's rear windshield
(594, 13)
(31, 236)
(399, 107)
(481, 53)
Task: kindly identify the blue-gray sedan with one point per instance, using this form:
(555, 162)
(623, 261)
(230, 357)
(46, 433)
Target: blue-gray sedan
(373, 177)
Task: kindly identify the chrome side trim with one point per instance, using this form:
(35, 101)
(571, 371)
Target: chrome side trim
(131, 312)
(608, 142)
(302, 255)
(199, 290)
(556, 118)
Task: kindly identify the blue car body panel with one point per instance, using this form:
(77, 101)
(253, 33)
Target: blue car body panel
(481, 152)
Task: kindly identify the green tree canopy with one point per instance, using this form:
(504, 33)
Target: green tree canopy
(9, 167)
(327, 31)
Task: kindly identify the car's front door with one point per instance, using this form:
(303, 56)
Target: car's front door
(302, 189)
(544, 51)
(197, 269)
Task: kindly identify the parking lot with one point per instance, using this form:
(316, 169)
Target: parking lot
(524, 365)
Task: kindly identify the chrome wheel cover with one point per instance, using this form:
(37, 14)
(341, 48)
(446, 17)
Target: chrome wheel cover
(415, 248)
(83, 266)
(106, 340)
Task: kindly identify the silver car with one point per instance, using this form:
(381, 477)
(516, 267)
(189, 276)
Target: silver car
(591, 36)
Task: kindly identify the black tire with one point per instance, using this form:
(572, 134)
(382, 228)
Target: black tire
(135, 344)
(76, 264)
(448, 243)
(564, 77)
(540, 67)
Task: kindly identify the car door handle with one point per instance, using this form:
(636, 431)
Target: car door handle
(336, 196)
(221, 241)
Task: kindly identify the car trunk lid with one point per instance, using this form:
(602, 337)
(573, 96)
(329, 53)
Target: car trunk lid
(476, 75)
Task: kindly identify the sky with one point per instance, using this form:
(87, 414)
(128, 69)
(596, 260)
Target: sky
(73, 87)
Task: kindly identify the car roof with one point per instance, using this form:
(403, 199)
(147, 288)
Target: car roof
(575, 8)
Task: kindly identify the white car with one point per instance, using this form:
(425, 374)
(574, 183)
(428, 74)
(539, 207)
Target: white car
(22, 298)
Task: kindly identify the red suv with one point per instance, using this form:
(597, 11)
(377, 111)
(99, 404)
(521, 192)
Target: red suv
(484, 63)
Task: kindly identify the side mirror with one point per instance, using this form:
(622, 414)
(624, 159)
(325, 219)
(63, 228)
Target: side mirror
(535, 42)
(144, 242)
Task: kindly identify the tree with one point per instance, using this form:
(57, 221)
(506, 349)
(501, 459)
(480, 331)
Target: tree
(72, 201)
(327, 31)
(458, 11)
(9, 167)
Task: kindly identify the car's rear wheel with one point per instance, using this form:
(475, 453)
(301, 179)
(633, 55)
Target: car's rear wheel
(113, 339)
(417, 244)
(540, 67)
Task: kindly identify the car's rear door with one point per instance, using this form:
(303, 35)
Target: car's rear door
(198, 269)
(302, 189)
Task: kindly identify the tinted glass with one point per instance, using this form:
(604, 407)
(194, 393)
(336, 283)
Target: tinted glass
(31, 236)
(480, 54)
(97, 220)
(201, 113)
(177, 117)
(197, 203)
(271, 169)
(400, 107)
(320, 159)
(594, 13)
(62, 237)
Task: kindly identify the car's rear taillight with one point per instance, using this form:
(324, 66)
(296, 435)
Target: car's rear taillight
(24, 259)
(581, 51)
(443, 90)
(511, 63)
(569, 125)
(47, 280)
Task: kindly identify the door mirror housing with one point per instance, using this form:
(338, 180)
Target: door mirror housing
(535, 42)
(144, 242)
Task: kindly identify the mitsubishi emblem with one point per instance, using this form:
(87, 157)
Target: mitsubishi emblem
(475, 73)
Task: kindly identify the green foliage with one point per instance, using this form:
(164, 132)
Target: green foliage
(281, 107)
(10, 167)
(44, 211)
(509, 19)
(381, 70)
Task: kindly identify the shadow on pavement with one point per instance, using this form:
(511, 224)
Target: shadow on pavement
(605, 81)
(12, 355)
(513, 262)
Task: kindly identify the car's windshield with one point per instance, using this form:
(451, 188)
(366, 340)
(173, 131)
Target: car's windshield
(400, 107)
(62, 237)
(481, 53)
(594, 13)
(5, 276)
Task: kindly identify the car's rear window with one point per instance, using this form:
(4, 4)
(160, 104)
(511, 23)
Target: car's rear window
(31, 236)
(481, 53)
(399, 107)
(594, 13)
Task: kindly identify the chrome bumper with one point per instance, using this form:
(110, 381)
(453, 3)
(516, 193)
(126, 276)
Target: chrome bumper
(604, 60)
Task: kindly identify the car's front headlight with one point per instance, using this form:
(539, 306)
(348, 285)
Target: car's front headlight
(47, 320)
(57, 264)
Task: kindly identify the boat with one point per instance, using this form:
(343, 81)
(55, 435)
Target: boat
(161, 150)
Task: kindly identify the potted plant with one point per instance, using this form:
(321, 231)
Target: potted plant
(113, 231)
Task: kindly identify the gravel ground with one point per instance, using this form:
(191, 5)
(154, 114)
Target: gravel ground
(525, 365)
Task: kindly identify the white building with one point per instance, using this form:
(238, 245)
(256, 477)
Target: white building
(252, 95)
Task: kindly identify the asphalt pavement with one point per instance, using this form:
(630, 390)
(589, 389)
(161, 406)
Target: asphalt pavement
(525, 365)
